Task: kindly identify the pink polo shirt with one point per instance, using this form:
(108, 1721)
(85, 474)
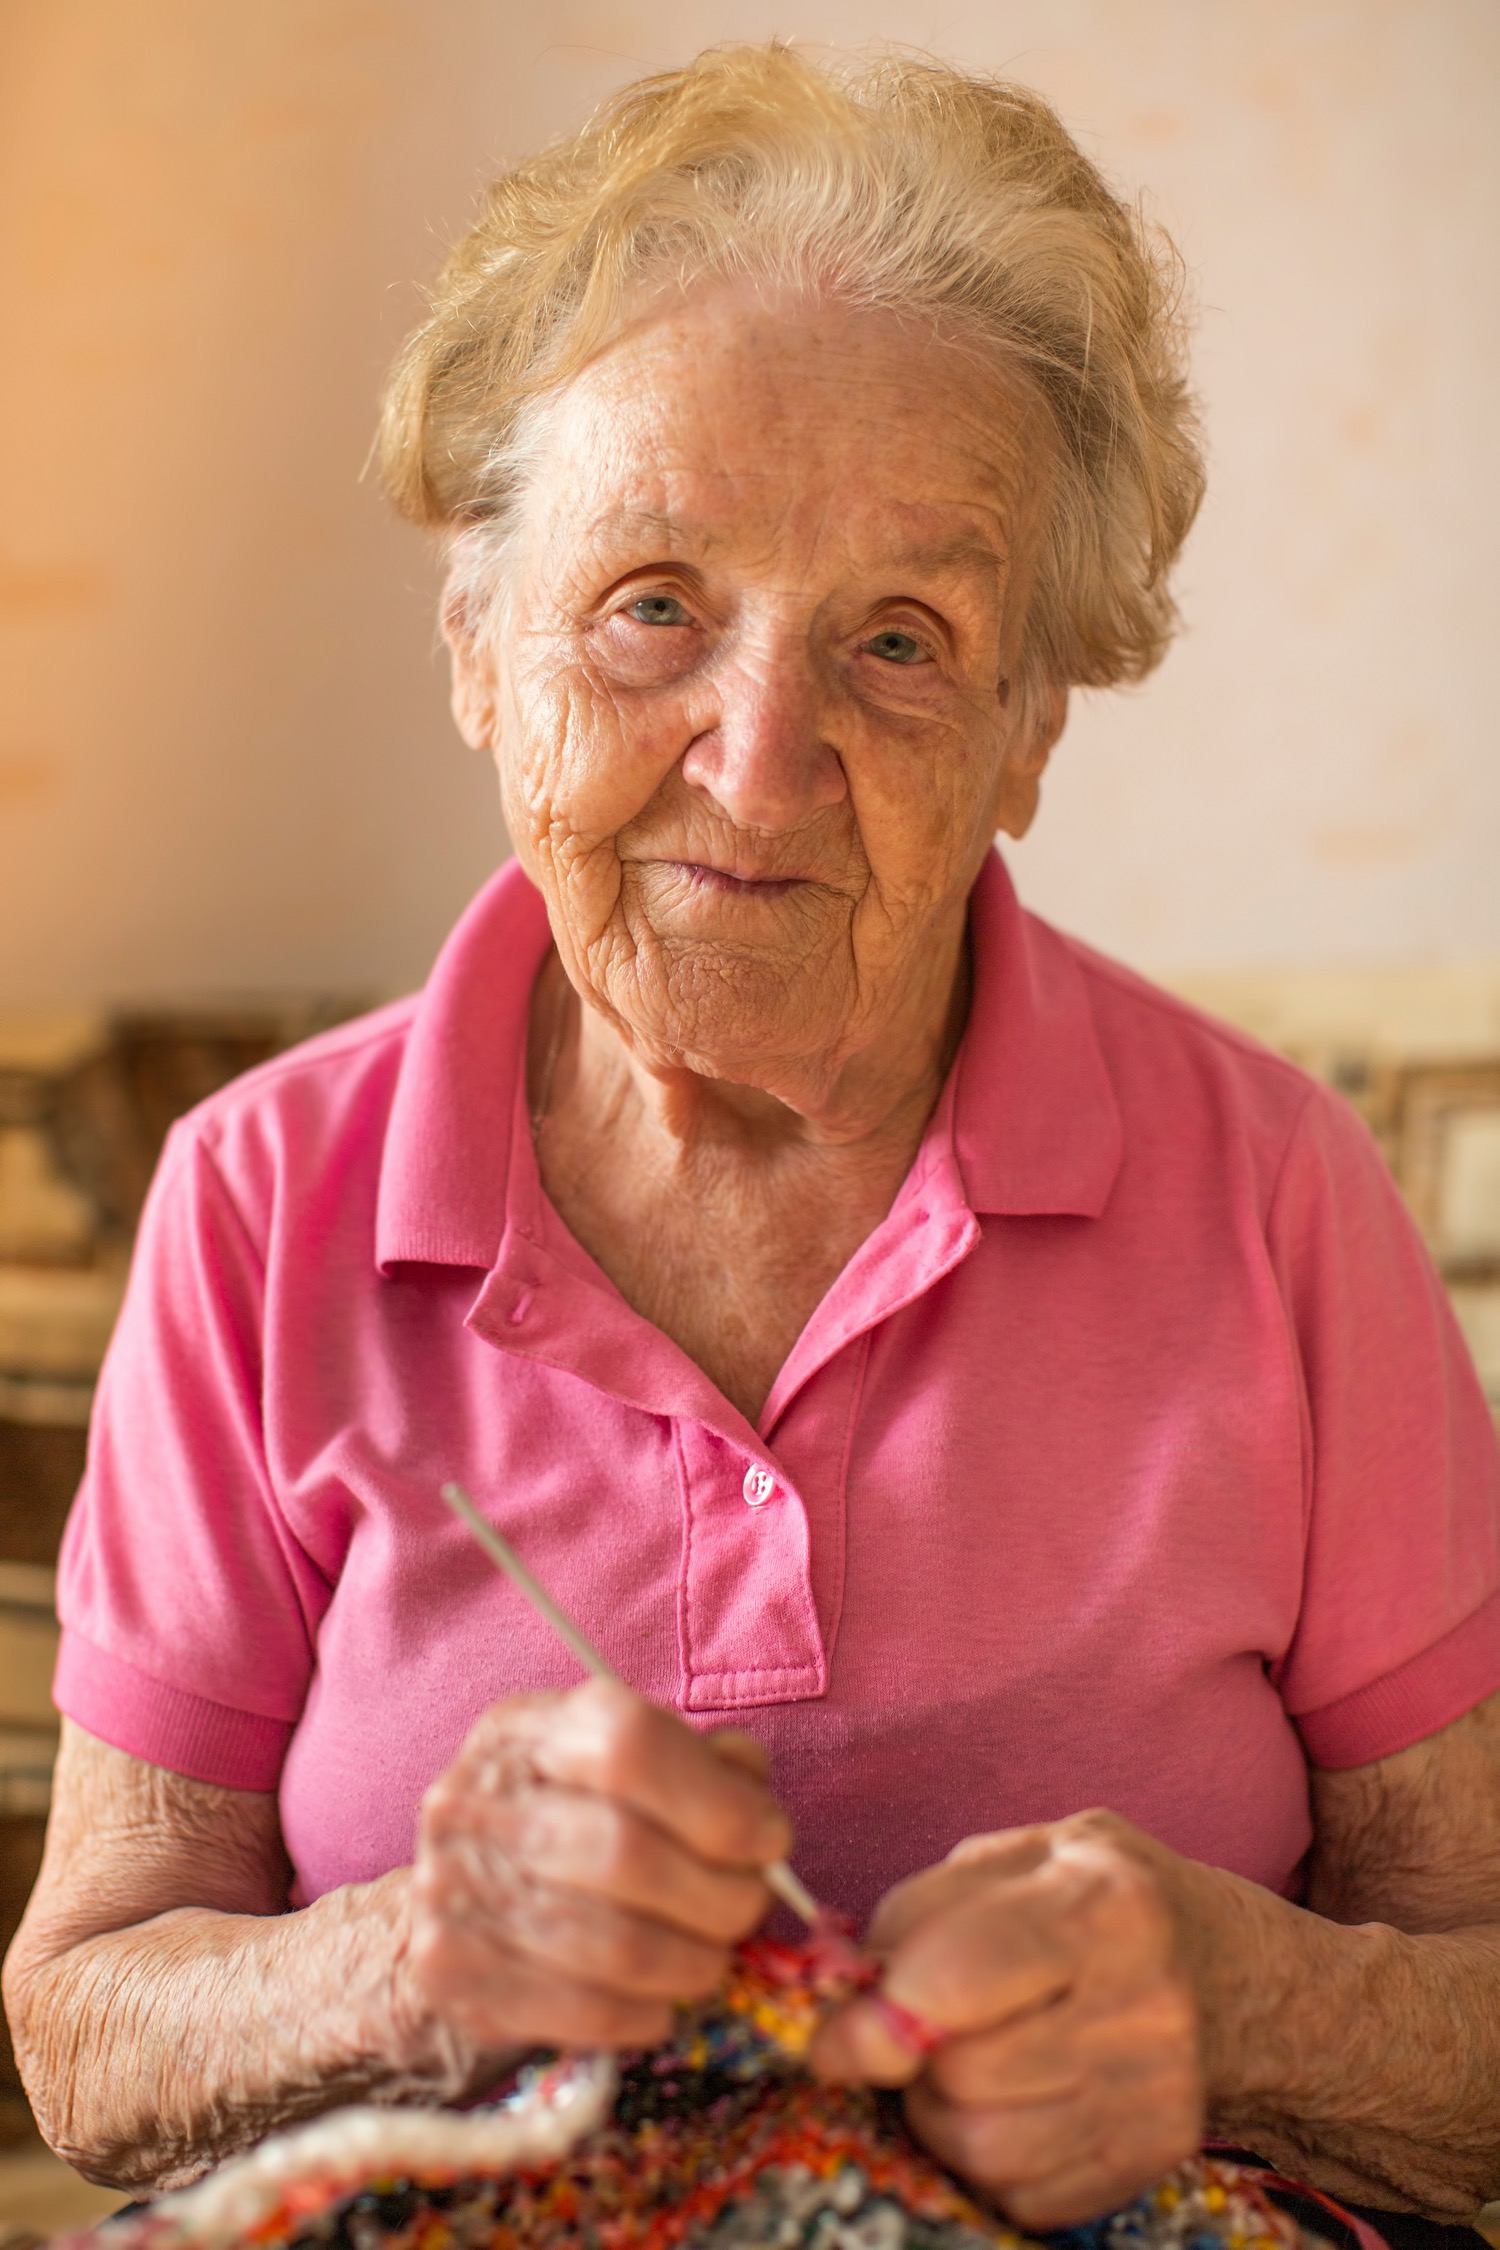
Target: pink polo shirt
(1133, 1460)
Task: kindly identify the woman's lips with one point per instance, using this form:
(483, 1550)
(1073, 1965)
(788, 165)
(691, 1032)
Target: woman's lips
(738, 886)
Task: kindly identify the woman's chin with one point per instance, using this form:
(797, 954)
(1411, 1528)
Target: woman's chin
(737, 1014)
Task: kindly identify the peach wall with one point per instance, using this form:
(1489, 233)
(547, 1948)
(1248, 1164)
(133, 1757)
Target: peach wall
(224, 755)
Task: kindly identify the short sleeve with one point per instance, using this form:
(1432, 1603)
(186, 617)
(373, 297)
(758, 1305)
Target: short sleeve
(1399, 1628)
(189, 1611)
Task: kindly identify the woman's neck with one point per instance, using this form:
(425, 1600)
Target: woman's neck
(581, 1064)
(721, 1213)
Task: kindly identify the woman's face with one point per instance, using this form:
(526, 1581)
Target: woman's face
(750, 699)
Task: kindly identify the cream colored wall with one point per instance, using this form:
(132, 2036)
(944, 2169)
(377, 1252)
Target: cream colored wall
(224, 755)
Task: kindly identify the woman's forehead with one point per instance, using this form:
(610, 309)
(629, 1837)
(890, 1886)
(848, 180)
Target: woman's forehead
(720, 425)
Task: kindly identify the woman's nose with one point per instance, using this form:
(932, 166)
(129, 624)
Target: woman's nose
(766, 760)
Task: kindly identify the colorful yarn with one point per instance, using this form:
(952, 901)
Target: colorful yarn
(718, 2141)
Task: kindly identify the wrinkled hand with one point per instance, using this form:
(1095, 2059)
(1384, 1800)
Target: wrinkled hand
(584, 1863)
(1067, 2076)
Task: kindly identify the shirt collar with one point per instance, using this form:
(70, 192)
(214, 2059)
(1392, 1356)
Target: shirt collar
(445, 1170)
(1035, 1124)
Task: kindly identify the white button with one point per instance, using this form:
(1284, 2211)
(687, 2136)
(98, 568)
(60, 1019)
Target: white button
(759, 1485)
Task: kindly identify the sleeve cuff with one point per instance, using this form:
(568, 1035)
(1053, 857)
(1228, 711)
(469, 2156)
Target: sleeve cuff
(1429, 1691)
(165, 1725)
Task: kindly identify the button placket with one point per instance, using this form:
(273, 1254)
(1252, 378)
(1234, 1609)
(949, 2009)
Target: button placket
(747, 1619)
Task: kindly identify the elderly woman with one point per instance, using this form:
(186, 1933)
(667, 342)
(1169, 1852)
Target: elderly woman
(956, 1385)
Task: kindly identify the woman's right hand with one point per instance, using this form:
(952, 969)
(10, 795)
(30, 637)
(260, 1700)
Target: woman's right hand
(586, 1862)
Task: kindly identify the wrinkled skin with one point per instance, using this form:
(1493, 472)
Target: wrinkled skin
(583, 1866)
(1072, 2066)
(755, 695)
(756, 703)
(584, 1863)
(1096, 1989)
(754, 706)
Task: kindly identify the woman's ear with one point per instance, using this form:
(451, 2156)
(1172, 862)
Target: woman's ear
(473, 694)
(1043, 715)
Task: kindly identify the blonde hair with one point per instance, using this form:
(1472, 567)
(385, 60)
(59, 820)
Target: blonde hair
(904, 186)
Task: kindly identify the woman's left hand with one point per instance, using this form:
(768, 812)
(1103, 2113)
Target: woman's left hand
(1067, 2073)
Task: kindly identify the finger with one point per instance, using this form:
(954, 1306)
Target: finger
(976, 1953)
(499, 1999)
(1010, 1851)
(1086, 1915)
(1054, 2165)
(998, 2147)
(604, 1739)
(605, 1945)
(593, 1938)
(739, 1749)
(857, 2045)
(1037, 2058)
(969, 1867)
(1059, 2161)
(1080, 2192)
(1000, 1950)
(1148, 2045)
(603, 1850)
(1110, 2161)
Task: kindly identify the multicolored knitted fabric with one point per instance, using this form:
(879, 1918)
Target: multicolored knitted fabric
(718, 2141)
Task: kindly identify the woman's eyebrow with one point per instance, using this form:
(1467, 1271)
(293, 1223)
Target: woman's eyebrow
(965, 553)
(649, 523)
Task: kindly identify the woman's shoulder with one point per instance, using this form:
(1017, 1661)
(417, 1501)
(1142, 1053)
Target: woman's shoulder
(1179, 1070)
(324, 1102)
(1144, 1016)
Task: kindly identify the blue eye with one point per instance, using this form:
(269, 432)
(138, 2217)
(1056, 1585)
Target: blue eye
(658, 609)
(897, 648)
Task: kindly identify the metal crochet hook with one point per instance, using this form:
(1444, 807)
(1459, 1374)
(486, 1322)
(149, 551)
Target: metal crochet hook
(789, 1888)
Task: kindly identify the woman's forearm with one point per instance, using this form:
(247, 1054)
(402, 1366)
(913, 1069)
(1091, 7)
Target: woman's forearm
(1365, 2059)
(154, 2051)
(165, 2007)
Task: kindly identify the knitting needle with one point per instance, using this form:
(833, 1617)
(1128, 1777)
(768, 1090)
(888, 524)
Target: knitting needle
(789, 1888)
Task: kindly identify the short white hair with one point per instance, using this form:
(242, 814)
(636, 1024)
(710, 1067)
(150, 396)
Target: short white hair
(905, 186)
